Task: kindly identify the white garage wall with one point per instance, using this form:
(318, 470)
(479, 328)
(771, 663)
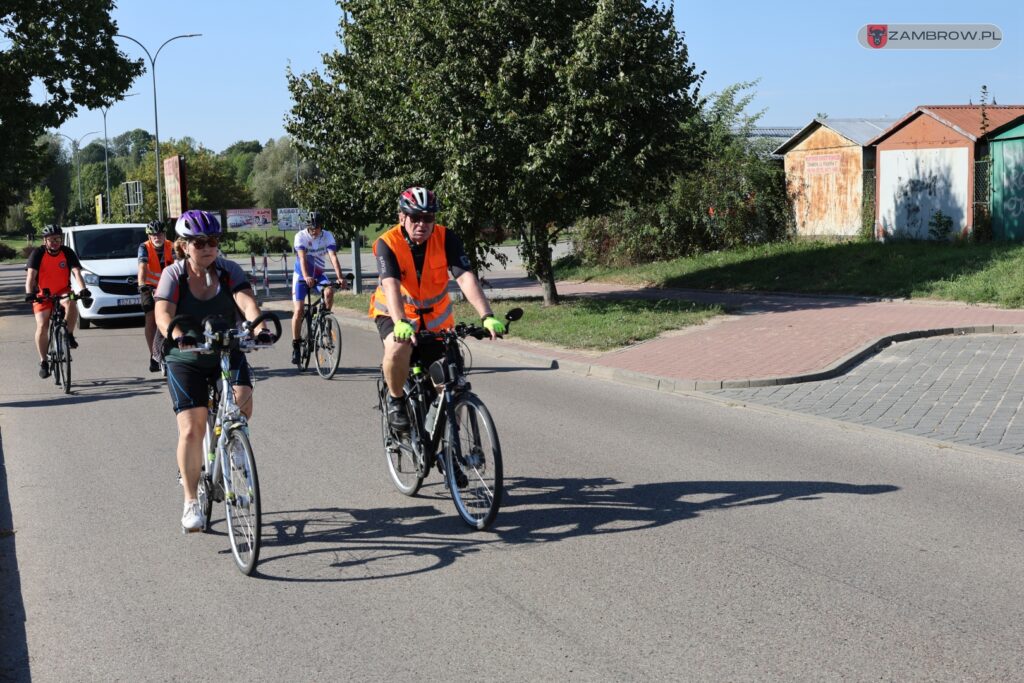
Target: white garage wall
(915, 183)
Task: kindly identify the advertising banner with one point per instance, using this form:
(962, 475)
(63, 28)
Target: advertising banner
(292, 219)
(248, 219)
(99, 208)
(175, 187)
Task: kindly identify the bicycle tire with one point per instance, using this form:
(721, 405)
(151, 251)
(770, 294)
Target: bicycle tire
(242, 501)
(51, 355)
(466, 355)
(400, 456)
(327, 346)
(306, 343)
(64, 359)
(472, 463)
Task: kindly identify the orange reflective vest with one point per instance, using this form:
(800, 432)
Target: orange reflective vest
(426, 298)
(153, 268)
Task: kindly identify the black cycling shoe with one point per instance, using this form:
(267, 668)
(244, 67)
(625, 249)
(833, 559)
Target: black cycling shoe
(154, 365)
(397, 417)
(296, 355)
(44, 369)
(72, 342)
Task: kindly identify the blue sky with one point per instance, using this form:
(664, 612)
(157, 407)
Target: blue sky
(229, 84)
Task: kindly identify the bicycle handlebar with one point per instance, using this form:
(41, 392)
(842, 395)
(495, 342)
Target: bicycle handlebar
(471, 330)
(219, 337)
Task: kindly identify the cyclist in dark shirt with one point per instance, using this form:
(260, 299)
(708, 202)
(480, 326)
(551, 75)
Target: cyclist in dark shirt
(51, 267)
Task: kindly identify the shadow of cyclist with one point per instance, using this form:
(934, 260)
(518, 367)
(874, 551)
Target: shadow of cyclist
(401, 541)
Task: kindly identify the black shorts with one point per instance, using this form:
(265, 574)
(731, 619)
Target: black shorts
(425, 351)
(189, 385)
(148, 303)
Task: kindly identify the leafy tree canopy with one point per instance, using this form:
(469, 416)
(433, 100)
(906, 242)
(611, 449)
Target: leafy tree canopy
(524, 114)
(67, 48)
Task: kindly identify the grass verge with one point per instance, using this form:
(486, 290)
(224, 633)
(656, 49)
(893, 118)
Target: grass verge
(973, 273)
(584, 322)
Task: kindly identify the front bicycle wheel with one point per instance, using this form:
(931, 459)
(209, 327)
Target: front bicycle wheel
(466, 355)
(64, 360)
(242, 501)
(328, 346)
(398, 448)
(305, 334)
(472, 462)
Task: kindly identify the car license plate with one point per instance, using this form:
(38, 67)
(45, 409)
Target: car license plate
(132, 301)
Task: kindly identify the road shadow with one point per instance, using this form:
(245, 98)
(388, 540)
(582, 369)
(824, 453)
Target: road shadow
(14, 664)
(92, 390)
(388, 542)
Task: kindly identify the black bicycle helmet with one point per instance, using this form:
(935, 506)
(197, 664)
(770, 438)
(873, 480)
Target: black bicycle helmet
(154, 228)
(315, 220)
(52, 230)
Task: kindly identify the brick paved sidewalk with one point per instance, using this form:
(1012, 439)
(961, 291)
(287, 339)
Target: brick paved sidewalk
(767, 339)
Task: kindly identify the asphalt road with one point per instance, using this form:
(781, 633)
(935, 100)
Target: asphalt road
(644, 536)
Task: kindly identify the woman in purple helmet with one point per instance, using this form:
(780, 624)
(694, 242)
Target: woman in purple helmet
(203, 283)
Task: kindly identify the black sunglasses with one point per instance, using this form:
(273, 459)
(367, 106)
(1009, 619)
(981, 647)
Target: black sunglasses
(203, 242)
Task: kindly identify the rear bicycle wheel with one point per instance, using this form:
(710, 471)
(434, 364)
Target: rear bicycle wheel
(305, 335)
(328, 346)
(242, 501)
(399, 450)
(472, 460)
(52, 355)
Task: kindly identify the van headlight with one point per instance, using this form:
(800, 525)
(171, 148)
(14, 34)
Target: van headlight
(91, 279)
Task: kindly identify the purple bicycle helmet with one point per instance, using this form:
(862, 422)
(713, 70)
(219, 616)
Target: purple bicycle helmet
(418, 200)
(196, 223)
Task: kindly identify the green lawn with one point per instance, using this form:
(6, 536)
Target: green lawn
(985, 273)
(582, 322)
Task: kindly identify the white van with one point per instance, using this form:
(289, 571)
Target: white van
(110, 266)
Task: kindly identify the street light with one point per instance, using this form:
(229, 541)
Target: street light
(74, 160)
(156, 123)
(106, 163)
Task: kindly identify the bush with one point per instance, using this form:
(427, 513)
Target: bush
(7, 251)
(278, 244)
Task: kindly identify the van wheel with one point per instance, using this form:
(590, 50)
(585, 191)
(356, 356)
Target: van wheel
(84, 324)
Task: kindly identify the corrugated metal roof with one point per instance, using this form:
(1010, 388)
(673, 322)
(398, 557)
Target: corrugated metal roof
(963, 118)
(857, 131)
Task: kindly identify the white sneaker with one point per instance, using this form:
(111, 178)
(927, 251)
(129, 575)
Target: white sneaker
(192, 517)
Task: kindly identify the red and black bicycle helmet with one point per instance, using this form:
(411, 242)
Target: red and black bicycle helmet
(418, 200)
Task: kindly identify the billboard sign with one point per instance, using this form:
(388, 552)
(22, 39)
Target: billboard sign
(292, 219)
(132, 197)
(175, 187)
(248, 219)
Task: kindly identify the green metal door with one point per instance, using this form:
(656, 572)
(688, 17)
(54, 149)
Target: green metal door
(1008, 189)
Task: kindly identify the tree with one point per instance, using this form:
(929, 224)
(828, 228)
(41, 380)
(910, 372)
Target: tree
(274, 174)
(524, 115)
(66, 47)
(40, 207)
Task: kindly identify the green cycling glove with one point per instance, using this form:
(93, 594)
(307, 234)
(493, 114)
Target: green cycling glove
(403, 331)
(493, 325)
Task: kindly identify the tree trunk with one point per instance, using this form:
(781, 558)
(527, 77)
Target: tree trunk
(538, 261)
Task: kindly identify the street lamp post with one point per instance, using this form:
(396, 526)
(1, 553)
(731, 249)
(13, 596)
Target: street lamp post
(74, 154)
(106, 162)
(156, 122)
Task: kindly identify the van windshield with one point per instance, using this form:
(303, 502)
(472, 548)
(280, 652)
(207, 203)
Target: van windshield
(107, 243)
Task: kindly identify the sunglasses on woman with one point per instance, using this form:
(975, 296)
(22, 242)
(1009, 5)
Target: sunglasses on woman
(203, 242)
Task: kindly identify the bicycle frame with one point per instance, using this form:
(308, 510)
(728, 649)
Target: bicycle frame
(227, 416)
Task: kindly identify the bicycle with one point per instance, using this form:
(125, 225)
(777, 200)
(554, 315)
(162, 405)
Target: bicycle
(450, 427)
(58, 354)
(229, 466)
(321, 334)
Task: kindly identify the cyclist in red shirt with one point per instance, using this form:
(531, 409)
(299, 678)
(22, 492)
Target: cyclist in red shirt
(51, 267)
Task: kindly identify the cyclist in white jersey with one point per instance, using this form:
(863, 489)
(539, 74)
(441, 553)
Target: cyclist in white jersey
(311, 246)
